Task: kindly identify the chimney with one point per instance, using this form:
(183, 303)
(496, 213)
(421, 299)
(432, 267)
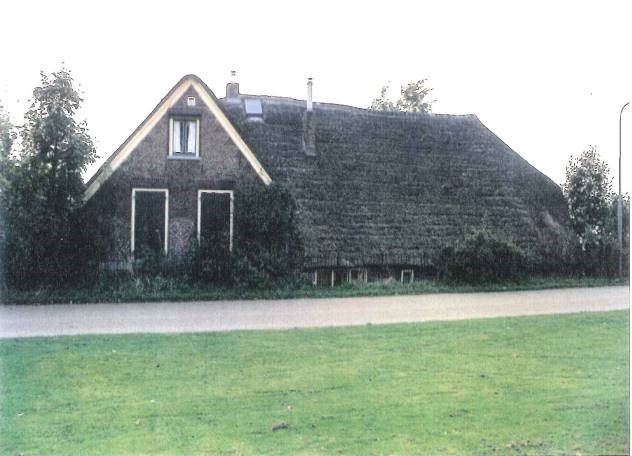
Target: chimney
(309, 124)
(232, 88)
(309, 94)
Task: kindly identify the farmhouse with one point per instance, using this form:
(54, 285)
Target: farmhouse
(377, 193)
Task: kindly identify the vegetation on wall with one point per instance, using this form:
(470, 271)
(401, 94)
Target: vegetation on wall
(267, 248)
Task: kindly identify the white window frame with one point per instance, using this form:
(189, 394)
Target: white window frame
(180, 155)
(133, 224)
(199, 214)
(363, 271)
(332, 276)
(412, 275)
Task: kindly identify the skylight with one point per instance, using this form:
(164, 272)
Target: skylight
(253, 107)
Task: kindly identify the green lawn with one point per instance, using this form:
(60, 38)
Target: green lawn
(529, 385)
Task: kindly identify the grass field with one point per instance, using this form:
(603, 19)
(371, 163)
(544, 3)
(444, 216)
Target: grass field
(529, 385)
(160, 289)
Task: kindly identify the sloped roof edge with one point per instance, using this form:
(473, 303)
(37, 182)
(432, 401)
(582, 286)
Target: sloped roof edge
(125, 149)
(509, 148)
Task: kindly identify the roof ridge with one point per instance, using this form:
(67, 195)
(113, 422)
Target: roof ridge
(340, 106)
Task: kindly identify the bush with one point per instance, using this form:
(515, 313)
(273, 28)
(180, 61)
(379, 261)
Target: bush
(555, 253)
(269, 250)
(482, 258)
(567, 256)
(209, 261)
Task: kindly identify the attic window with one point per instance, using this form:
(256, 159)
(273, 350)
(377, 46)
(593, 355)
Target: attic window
(184, 137)
(190, 101)
(253, 107)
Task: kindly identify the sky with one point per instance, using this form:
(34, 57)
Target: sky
(548, 77)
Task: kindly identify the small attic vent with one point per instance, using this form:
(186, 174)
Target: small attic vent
(253, 108)
(190, 101)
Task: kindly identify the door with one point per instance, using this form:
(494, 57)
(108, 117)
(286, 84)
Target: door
(149, 208)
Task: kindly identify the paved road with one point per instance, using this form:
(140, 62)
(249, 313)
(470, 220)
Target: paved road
(167, 317)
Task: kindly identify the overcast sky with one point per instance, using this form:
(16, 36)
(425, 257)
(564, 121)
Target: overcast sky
(549, 78)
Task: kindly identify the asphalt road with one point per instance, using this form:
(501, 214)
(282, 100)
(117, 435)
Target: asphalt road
(170, 317)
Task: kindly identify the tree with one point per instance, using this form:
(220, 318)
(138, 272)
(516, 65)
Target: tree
(588, 191)
(7, 135)
(46, 187)
(611, 224)
(382, 103)
(613, 230)
(591, 205)
(413, 98)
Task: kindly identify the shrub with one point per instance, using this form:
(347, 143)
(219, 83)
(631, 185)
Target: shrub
(566, 255)
(556, 254)
(482, 258)
(210, 261)
(269, 250)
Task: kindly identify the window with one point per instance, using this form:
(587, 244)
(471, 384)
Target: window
(149, 221)
(184, 137)
(330, 277)
(254, 110)
(408, 276)
(324, 278)
(190, 101)
(215, 218)
(357, 275)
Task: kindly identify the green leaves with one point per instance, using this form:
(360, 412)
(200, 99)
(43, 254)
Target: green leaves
(269, 245)
(413, 98)
(588, 190)
(482, 258)
(592, 207)
(45, 188)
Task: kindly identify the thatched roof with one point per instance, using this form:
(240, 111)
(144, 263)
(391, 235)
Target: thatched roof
(392, 187)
